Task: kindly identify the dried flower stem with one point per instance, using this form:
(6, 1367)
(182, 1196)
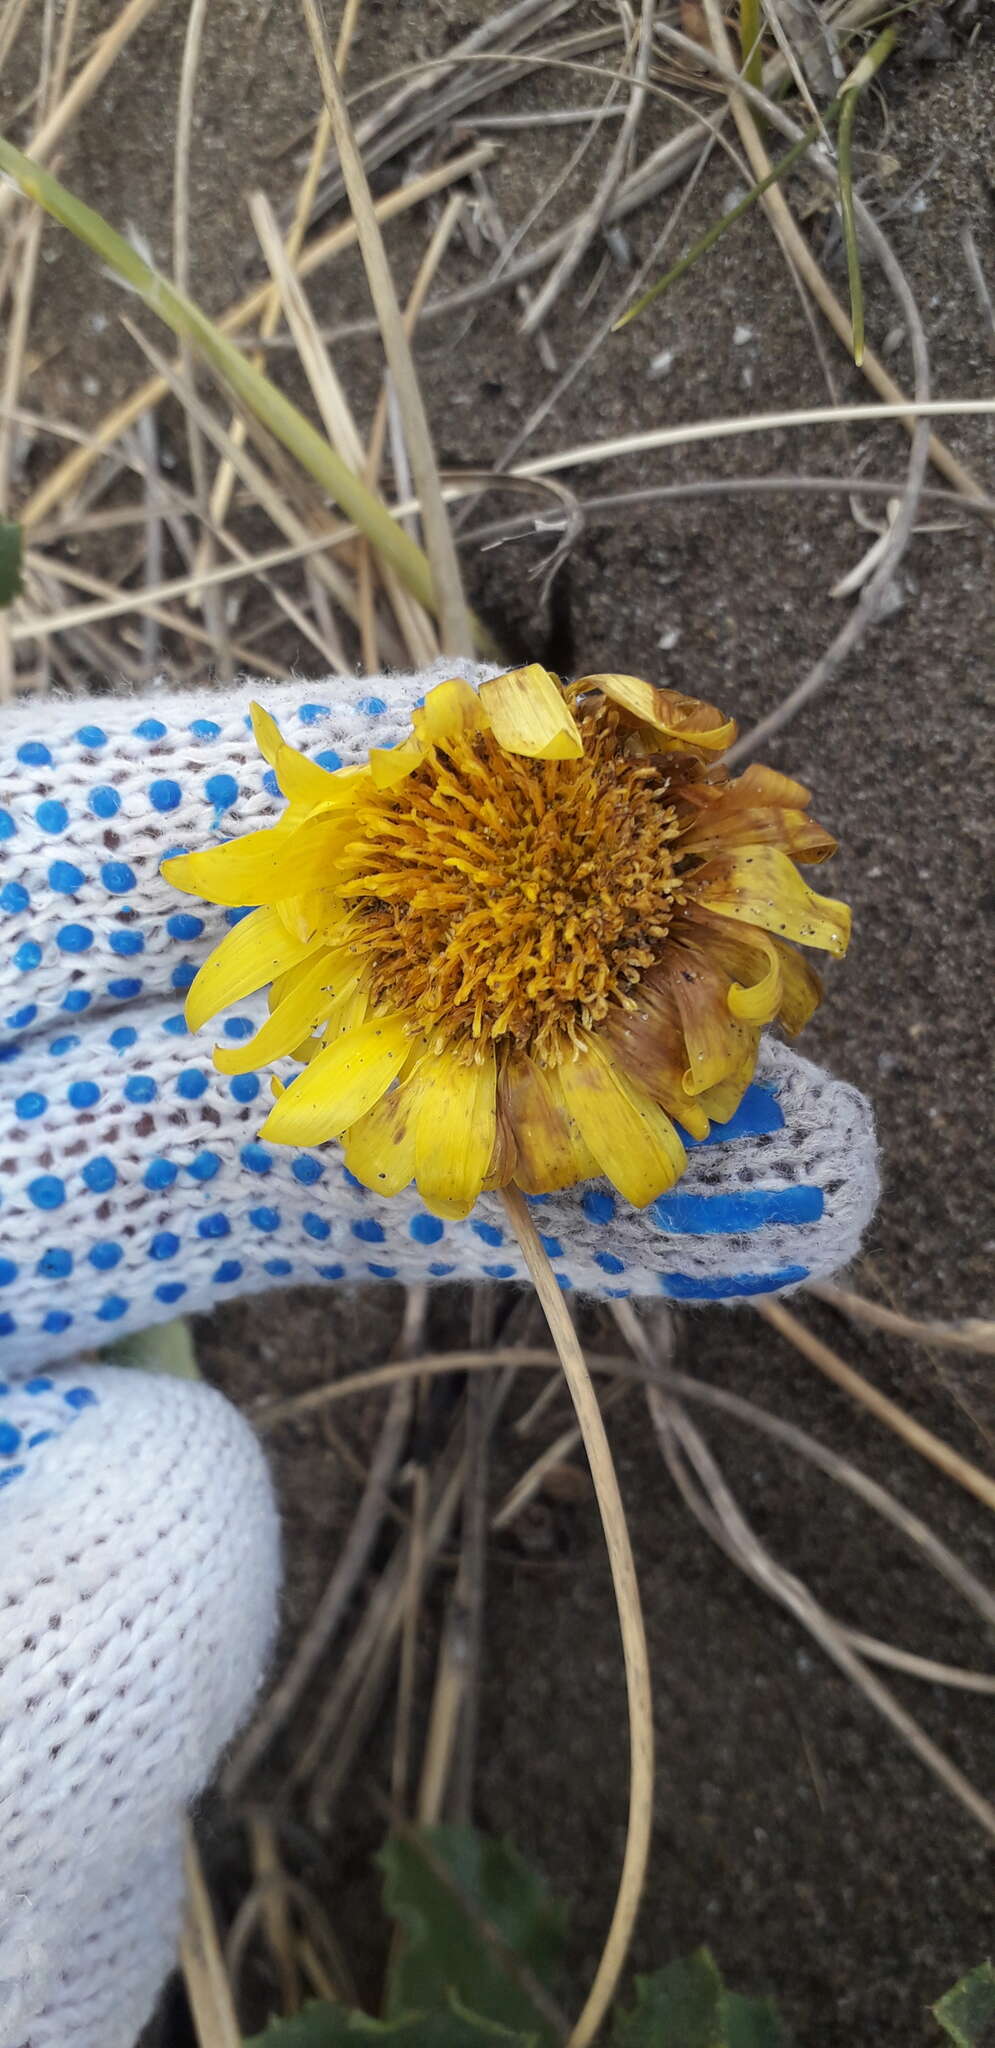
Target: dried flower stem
(630, 1617)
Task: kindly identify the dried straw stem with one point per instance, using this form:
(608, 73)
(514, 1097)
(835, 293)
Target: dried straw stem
(630, 1616)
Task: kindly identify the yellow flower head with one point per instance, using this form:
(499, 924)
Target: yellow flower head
(524, 944)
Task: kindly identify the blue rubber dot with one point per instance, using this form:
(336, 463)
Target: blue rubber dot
(99, 1175)
(372, 707)
(426, 1229)
(75, 1001)
(310, 713)
(256, 1159)
(31, 1104)
(244, 1087)
(563, 1282)
(8, 1272)
(14, 897)
(27, 956)
(149, 729)
(234, 917)
(91, 736)
(368, 1230)
(164, 1245)
(55, 1264)
(41, 1436)
(112, 1308)
(126, 986)
(205, 1166)
(278, 1268)
(123, 1037)
(67, 1043)
(229, 1270)
(382, 1272)
(551, 1246)
(34, 754)
(105, 802)
(215, 1225)
(104, 1257)
(182, 976)
(7, 825)
(176, 1025)
(500, 1272)
(439, 1269)
(165, 794)
(488, 1233)
(126, 944)
(12, 1472)
(169, 1291)
(140, 1088)
(10, 1439)
(352, 1182)
(597, 1207)
(65, 878)
(331, 1272)
(74, 938)
(20, 1019)
(117, 877)
(82, 1094)
(329, 759)
(47, 1192)
(270, 783)
(609, 1263)
(41, 1384)
(191, 1084)
(265, 1219)
(51, 815)
(307, 1171)
(315, 1226)
(221, 791)
(239, 1027)
(183, 925)
(8, 1326)
(205, 729)
(80, 1397)
(159, 1175)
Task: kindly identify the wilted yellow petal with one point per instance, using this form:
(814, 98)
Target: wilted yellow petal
(714, 1035)
(758, 1002)
(380, 1148)
(266, 733)
(759, 885)
(528, 715)
(722, 1101)
(340, 1085)
(551, 1152)
(630, 1136)
(252, 954)
(450, 710)
(683, 721)
(801, 988)
(454, 1132)
(263, 866)
(307, 1002)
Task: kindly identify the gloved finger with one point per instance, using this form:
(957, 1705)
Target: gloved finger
(95, 793)
(135, 1187)
(139, 1565)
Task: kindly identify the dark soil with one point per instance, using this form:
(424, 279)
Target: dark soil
(794, 1833)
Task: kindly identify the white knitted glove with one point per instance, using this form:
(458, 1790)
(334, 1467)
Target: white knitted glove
(138, 1553)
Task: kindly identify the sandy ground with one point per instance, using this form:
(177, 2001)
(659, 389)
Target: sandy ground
(794, 1834)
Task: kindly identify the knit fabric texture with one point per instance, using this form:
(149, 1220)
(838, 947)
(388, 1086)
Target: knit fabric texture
(132, 1183)
(139, 1566)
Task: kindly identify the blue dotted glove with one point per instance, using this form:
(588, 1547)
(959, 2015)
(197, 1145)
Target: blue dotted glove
(133, 1182)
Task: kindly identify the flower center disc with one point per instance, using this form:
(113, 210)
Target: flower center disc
(504, 898)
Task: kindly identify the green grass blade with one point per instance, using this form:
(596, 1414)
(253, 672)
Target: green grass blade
(283, 419)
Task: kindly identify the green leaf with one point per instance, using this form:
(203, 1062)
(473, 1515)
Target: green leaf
(967, 2013)
(166, 1348)
(686, 2005)
(11, 544)
(481, 1930)
(336, 2026)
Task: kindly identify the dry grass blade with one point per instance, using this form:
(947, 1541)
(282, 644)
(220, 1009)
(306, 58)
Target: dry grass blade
(929, 1446)
(975, 1335)
(202, 1962)
(630, 1616)
(712, 1503)
(432, 1363)
(450, 604)
(84, 85)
